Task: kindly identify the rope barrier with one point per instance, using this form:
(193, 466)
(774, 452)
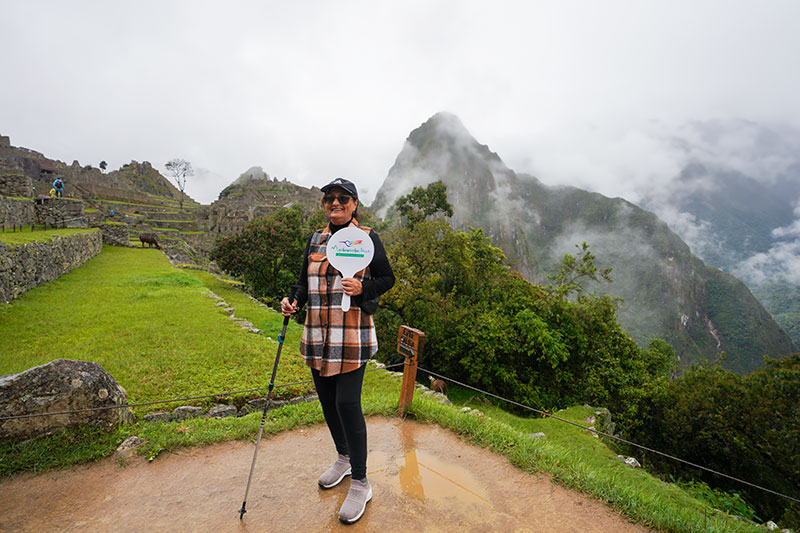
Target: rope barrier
(173, 400)
(610, 436)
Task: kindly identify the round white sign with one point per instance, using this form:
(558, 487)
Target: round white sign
(349, 250)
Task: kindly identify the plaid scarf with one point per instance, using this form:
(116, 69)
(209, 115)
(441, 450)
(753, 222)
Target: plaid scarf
(334, 342)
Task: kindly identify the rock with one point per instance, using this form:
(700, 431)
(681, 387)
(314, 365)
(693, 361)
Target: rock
(771, 526)
(466, 409)
(127, 449)
(257, 404)
(591, 420)
(229, 310)
(538, 435)
(632, 462)
(186, 411)
(593, 431)
(441, 398)
(603, 421)
(60, 385)
(159, 416)
(222, 411)
(256, 331)
(222, 304)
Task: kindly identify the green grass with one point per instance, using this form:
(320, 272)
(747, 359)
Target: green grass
(26, 236)
(119, 202)
(147, 323)
(151, 326)
(23, 198)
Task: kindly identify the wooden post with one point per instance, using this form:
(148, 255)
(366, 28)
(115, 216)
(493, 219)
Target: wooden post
(410, 343)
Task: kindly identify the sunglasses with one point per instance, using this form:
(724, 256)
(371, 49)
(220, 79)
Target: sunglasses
(342, 198)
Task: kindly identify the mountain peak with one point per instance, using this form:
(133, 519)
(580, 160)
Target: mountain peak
(251, 174)
(442, 149)
(442, 125)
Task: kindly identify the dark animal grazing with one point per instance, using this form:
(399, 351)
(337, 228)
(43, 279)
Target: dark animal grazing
(438, 385)
(150, 239)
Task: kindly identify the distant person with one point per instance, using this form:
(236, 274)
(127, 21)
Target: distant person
(52, 192)
(337, 345)
(111, 213)
(58, 185)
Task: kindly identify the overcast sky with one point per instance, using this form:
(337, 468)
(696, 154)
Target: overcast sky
(573, 92)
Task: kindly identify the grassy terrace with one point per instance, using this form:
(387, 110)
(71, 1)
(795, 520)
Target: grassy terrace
(154, 329)
(148, 324)
(38, 235)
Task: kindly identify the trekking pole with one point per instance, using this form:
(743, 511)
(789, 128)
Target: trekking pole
(281, 337)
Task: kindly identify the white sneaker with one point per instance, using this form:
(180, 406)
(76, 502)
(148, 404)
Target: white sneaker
(356, 501)
(335, 474)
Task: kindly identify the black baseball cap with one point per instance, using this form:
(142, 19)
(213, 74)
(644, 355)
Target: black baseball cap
(346, 185)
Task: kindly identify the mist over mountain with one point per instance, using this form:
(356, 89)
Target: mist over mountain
(668, 291)
(736, 202)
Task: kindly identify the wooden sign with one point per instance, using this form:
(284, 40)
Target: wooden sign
(410, 341)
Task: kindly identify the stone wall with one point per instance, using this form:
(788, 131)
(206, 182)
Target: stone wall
(116, 234)
(25, 266)
(60, 213)
(15, 183)
(16, 213)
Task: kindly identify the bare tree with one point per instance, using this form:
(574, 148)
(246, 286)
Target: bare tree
(179, 169)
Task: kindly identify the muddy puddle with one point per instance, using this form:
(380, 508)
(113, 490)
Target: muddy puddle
(424, 479)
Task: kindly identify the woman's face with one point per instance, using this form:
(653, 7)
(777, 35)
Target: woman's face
(339, 213)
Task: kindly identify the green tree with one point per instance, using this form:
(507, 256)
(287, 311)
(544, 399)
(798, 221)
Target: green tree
(576, 270)
(746, 426)
(103, 165)
(490, 327)
(268, 254)
(422, 203)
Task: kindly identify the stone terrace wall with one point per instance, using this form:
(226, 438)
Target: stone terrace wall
(60, 212)
(15, 183)
(116, 234)
(16, 213)
(23, 267)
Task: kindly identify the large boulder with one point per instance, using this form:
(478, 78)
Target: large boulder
(60, 385)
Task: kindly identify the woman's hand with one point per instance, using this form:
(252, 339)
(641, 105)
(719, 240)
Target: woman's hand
(288, 308)
(352, 286)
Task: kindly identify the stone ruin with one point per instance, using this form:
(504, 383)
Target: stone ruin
(60, 212)
(60, 385)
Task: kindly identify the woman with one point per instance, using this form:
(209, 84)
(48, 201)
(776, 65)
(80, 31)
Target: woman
(337, 345)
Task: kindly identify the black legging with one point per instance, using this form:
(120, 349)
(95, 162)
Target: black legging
(340, 396)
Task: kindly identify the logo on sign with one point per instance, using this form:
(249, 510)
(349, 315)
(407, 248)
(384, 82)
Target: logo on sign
(349, 249)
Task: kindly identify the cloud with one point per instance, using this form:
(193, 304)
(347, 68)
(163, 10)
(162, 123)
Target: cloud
(780, 263)
(316, 89)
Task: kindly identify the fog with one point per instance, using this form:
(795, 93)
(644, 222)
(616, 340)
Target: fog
(614, 97)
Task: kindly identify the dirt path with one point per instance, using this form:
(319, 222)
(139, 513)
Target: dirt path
(424, 479)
